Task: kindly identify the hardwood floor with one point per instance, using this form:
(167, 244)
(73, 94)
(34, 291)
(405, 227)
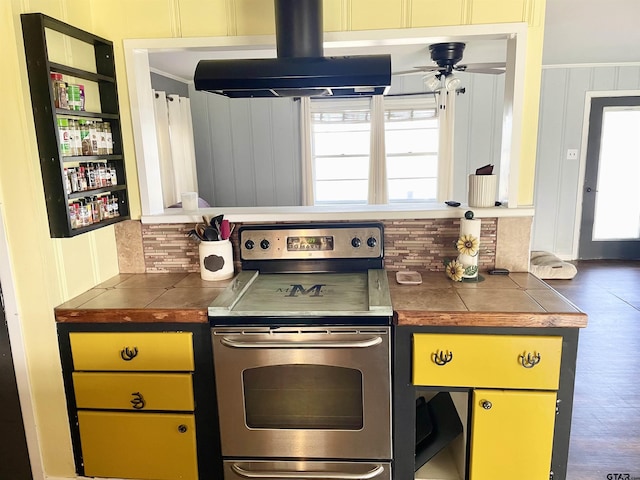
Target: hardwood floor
(605, 430)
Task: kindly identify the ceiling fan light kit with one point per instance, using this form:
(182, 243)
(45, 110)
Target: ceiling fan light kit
(452, 83)
(432, 82)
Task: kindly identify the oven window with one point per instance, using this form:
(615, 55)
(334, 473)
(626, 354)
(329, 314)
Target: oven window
(303, 397)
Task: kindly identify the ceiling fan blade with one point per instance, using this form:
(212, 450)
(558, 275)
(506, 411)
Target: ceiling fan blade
(416, 70)
(495, 68)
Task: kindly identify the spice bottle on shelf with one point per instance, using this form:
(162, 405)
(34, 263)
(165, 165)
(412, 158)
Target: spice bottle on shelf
(102, 138)
(59, 90)
(95, 209)
(73, 219)
(114, 174)
(85, 137)
(82, 178)
(65, 138)
(76, 143)
(73, 177)
(115, 207)
(109, 137)
(81, 87)
(73, 96)
(67, 181)
(93, 133)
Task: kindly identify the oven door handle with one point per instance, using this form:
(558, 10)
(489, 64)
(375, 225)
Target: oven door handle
(374, 472)
(233, 343)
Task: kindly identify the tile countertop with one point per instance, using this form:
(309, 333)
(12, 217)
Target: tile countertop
(514, 300)
(144, 298)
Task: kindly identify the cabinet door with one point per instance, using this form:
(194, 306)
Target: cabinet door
(159, 446)
(511, 435)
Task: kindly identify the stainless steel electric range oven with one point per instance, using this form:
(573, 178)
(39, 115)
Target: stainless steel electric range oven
(302, 353)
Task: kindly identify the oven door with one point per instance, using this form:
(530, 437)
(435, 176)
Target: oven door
(304, 392)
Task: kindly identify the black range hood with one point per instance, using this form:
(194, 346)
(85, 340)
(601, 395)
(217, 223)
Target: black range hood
(300, 68)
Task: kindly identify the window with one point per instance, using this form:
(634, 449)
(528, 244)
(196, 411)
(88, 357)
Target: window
(341, 149)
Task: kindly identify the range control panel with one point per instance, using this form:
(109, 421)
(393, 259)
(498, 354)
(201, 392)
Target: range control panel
(311, 241)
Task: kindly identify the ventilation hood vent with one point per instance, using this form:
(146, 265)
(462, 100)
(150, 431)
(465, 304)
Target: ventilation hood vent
(300, 69)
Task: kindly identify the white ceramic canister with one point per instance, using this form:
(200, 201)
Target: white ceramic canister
(482, 190)
(216, 260)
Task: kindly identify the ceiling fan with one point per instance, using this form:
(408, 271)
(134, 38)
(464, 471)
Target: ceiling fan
(447, 57)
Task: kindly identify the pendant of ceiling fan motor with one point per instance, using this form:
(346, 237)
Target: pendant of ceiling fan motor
(446, 54)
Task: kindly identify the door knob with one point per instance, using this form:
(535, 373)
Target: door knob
(486, 404)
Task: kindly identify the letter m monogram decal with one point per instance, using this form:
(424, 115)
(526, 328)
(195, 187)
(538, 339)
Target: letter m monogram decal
(314, 291)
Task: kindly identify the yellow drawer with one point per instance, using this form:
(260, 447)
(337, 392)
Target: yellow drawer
(132, 351)
(134, 391)
(161, 446)
(498, 361)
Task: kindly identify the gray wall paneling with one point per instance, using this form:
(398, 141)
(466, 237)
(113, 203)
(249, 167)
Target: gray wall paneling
(557, 188)
(247, 151)
(478, 128)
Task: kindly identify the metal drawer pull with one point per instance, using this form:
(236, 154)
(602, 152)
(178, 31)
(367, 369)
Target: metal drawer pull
(530, 361)
(442, 358)
(486, 404)
(128, 354)
(182, 428)
(138, 401)
(374, 472)
(369, 342)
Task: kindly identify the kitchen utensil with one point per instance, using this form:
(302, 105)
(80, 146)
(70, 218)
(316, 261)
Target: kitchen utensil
(200, 228)
(211, 234)
(225, 230)
(193, 234)
(216, 221)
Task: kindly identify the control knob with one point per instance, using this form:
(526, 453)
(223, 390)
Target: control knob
(372, 242)
(249, 244)
(355, 242)
(264, 244)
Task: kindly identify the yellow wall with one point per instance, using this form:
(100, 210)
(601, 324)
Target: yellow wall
(48, 272)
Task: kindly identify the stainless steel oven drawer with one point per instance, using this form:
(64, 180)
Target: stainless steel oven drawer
(303, 470)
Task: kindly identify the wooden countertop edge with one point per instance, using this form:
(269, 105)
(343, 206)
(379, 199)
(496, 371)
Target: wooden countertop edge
(131, 315)
(490, 319)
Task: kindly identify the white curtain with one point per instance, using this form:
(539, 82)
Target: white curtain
(378, 192)
(446, 113)
(175, 146)
(308, 197)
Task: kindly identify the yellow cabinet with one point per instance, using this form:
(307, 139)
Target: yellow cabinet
(495, 361)
(511, 435)
(157, 446)
(512, 381)
(135, 404)
(132, 351)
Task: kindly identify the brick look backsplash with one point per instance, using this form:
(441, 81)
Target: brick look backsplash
(409, 245)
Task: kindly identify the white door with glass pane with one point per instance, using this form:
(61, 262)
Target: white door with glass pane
(610, 226)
